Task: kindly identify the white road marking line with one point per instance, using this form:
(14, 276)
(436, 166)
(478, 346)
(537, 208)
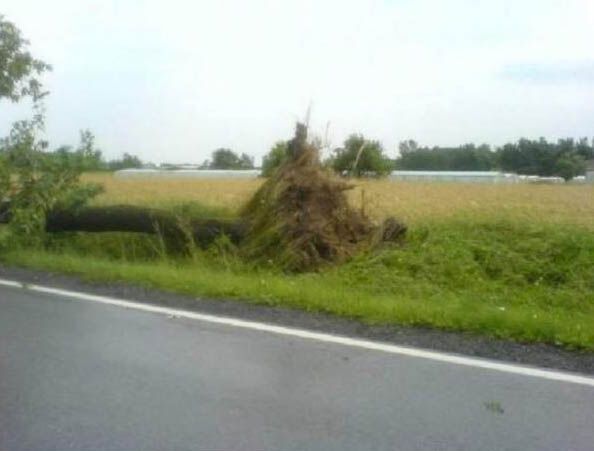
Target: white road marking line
(318, 336)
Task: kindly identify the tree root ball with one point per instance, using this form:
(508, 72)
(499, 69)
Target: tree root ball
(300, 219)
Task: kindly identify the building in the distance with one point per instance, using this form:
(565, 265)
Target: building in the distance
(454, 176)
(188, 173)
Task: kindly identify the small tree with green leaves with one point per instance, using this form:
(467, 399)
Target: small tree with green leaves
(274, 159)
(37, 182)
(127, 161)
(19, 71)
(227, 159)
(89, 156)
(361, 157)
(570, 165)
(31, 180)
(246, 162)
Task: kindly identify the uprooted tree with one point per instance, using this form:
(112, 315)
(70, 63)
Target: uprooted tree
(298, 220)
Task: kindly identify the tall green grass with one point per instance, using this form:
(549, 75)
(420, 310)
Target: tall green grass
(503, 278)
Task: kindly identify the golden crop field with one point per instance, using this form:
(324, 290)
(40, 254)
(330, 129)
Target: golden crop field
(411, 201)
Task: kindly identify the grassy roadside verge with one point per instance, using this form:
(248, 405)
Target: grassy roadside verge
(501, 279)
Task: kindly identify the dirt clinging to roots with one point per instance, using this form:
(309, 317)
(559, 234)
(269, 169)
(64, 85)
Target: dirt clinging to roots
(300, 219)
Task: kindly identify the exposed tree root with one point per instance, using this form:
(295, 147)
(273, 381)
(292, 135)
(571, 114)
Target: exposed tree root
(300, 219)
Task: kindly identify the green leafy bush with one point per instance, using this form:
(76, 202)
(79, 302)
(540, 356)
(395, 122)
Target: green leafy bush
(32, 182)
(361, 157)
(275, 158)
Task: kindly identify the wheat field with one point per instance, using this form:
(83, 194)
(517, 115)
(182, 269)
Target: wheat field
(411, 201)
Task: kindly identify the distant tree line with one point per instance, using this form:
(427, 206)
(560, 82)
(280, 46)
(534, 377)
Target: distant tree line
(565, 158)
(362, 157)
(468, 157)
(359, 156)
(85, 157)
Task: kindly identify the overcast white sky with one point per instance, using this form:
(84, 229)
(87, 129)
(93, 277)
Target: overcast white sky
(173, 80)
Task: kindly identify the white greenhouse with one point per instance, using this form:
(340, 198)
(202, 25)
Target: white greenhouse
(486, 177)
(454, 176)
(187, 174)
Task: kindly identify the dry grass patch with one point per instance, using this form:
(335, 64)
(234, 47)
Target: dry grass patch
(417, 202)
(232, 194)
(413, 202)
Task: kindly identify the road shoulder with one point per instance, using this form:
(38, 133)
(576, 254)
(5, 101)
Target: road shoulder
(541, 355)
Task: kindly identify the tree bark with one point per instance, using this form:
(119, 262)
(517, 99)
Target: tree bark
(129, 218)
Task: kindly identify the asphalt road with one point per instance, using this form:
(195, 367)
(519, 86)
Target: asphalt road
(87, 376)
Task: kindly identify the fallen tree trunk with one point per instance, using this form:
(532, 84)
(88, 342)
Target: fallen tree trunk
(129, 218)
(299, 220)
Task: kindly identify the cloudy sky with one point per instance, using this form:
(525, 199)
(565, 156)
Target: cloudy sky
(173, 80)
